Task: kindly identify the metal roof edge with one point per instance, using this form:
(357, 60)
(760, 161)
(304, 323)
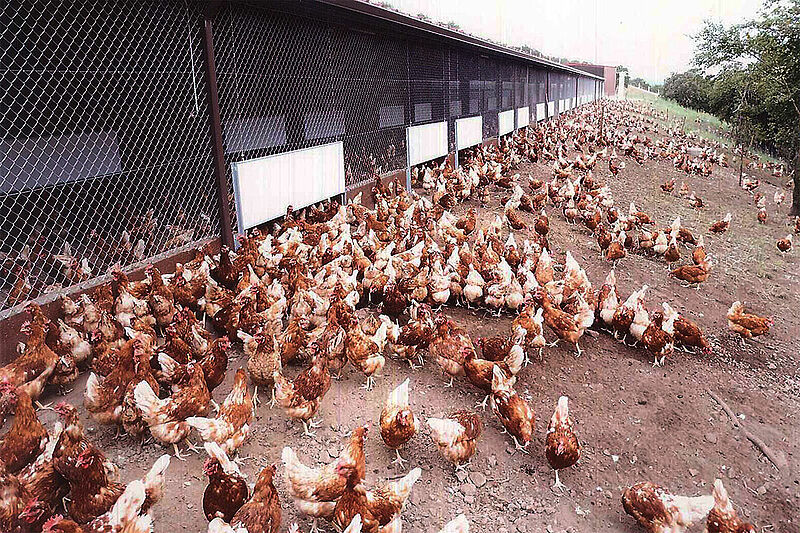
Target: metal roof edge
(396, 17)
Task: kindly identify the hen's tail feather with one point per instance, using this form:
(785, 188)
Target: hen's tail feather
(406, 483)
(215, 451)
(154, 480)
(355, 525)
(147, 402)
(210, 429)
(128, 506)
(444, 430)
(92, 391)
(399, 396)
(169, 366)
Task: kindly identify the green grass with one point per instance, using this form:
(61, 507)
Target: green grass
(705, 125)
(677, 111)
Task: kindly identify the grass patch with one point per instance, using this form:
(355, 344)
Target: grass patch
(703, 124)
(677, 111)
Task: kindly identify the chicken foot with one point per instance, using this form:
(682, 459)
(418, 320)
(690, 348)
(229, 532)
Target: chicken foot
(482, 404)
(462, 466)
(399, 460)
(307, 432)
(178, 454)
(520, 447)
(45, 407)
(369, 384)
(558, 485)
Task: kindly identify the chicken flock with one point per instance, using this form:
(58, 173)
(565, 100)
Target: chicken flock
(337, 284)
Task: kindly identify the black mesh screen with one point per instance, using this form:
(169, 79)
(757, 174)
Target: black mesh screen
(104, 138)
(105, 129)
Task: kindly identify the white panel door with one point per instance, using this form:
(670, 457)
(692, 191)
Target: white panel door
(265, 186)
(426, 142)
(505, 122)
(551, 108)
(523, 116)
(469, 132)
(540, 113)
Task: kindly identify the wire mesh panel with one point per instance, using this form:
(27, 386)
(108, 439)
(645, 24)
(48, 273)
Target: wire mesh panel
(521, 86)
(491, 96)
(288, 82)
(427, 76)
(104, 139)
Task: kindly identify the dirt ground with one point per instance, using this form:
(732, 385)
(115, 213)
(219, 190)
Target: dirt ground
(636, 422)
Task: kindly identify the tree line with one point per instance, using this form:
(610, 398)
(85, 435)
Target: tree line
(748, 75)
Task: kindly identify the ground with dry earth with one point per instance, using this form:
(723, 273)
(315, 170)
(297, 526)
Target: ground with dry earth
(636, 422)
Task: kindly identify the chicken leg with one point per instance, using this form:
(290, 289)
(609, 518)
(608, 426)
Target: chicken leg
(399, 460)
(369, 384)
(558, 485)
(178, 454)
(518, 446)
(482, 404)
(307, 432)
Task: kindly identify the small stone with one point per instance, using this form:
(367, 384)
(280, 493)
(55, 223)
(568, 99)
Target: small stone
(469, 499)
(468, 489)
(492, 460)
(731, 473)
(461, 476)
(478, 479)
(762, 489)
(510, 450)
(187, 483)
(711, 437)
(693, 472)
(772, 366)
(333, 452)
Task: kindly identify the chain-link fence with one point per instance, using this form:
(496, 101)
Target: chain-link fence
(106, 143)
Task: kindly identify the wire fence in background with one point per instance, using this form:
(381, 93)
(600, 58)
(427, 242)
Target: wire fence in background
(104, 143)
(106, 149)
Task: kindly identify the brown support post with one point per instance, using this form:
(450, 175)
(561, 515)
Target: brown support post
(216, 129)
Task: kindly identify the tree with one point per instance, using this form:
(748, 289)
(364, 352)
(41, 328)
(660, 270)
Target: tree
(767, 53)
(690, 89)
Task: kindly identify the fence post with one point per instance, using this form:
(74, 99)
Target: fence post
(226, 234)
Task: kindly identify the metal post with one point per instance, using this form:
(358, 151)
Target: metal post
(547, 94)
(216, 129)
(455, 136)
(408, 161)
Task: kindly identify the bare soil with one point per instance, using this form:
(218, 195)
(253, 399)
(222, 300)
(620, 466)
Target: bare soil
(636, 422)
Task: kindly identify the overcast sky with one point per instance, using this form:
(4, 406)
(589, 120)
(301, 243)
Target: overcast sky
(650, 37)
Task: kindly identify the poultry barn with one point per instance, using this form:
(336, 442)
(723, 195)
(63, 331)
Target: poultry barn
(319, 265)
